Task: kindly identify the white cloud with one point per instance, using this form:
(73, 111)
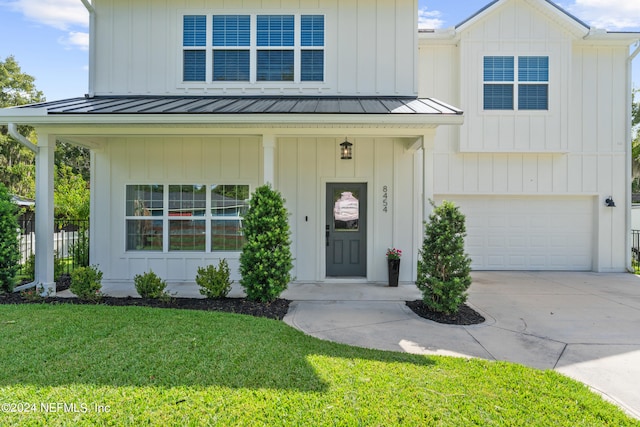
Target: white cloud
(75, 39)
(608, 14)
(60, 14)
(429, 19)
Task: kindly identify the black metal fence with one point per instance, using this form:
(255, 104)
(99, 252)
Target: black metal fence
(70, 246)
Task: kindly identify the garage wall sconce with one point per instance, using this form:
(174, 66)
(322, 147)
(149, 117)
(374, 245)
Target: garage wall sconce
(346, 150)
(609, 202)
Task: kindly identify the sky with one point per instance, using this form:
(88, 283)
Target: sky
(49, 38)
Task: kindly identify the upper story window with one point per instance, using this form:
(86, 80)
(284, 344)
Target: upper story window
(508, 82)
(253, 48)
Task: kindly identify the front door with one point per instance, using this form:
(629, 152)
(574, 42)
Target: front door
(346, 229)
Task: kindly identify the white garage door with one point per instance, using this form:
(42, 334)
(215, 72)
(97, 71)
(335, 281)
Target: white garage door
(529, 233)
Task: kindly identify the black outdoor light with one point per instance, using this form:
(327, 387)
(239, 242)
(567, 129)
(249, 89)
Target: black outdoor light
(609, 202)
(346, 150)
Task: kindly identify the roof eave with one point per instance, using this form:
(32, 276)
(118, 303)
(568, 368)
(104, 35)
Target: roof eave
(36, 118)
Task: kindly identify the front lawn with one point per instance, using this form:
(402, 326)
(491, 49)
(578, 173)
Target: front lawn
(99, 365)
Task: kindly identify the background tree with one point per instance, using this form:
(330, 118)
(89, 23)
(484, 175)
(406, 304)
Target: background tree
(635, 144)
(17, 170)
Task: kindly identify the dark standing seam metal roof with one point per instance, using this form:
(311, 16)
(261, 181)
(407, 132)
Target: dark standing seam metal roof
(246, 105)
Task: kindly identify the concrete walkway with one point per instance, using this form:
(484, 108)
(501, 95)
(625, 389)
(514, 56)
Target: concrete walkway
(584, 325)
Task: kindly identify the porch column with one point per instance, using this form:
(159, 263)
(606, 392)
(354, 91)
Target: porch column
(44, 214)
(269, 167)
(428, 166)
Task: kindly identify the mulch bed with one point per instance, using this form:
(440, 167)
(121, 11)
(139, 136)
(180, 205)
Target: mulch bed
(465, 316)
(274, 310)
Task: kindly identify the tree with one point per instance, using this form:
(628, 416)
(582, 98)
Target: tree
(444, 268)
(17, 170)
(635, 144)
(71, 194)
(266, 261)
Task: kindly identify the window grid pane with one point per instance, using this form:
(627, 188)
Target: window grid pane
(194, 30)
(312, 65)
(187, 200)
(498, 69)
(275, 30)
(194, 65)
(312, 30)
(144, 200)
(187, 235)
(533, 97)
(229, 200)
(275, 65)
(533, 68)
(231, 65)
(144, 235)
(231, 30)
(227, 235)
(498, 97)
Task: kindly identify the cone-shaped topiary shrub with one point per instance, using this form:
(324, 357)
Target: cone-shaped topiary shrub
(443, 267)
(9, 246)
(266, 262)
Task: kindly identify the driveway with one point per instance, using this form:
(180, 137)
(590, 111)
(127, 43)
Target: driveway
(584, 325)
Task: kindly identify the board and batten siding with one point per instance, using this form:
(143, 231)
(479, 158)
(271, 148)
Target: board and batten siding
(370, 47)
(307, 164)
(576, 150)
(164, 160)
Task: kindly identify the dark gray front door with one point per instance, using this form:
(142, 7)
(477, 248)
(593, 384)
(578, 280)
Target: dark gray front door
(346, 229)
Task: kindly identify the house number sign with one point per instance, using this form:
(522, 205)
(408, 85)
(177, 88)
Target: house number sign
(385, 199)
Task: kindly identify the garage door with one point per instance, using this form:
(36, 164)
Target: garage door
(529, 233)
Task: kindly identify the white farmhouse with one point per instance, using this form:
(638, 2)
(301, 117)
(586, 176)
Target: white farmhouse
(357, 118)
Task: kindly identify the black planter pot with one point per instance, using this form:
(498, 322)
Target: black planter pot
(394, 271)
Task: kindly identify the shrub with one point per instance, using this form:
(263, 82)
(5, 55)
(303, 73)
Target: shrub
(214, 282)
(86, 283)
(9, 245)
(29, 268)
(443, 267)
(149, 285)
(266, 262)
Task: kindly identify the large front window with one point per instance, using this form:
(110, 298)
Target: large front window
(508, 83)
(202, 218)
(253, 48)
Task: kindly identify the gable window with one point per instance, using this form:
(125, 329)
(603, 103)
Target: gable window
(197, 218)
(508, 83)
(253, 48)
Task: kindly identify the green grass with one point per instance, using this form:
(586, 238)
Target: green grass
(178, 367)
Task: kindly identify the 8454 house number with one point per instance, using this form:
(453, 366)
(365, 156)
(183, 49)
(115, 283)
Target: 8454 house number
(385, 199)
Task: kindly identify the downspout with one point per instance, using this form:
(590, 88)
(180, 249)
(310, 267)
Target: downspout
(13, 131)
(92, 47)
(629, 170)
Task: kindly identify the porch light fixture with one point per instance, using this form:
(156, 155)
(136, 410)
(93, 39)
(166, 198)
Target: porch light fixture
(346, 150)
(609, 202)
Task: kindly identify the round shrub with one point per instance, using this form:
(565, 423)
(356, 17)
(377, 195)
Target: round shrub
(214, 282)
(86, 283)
(266, 261)
(149, 285)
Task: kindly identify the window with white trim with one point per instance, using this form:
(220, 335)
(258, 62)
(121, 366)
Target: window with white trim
(253, 48)
(524, 83)
(185, 217)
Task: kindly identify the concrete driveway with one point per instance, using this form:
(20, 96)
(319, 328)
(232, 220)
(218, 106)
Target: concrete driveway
(584, 325)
